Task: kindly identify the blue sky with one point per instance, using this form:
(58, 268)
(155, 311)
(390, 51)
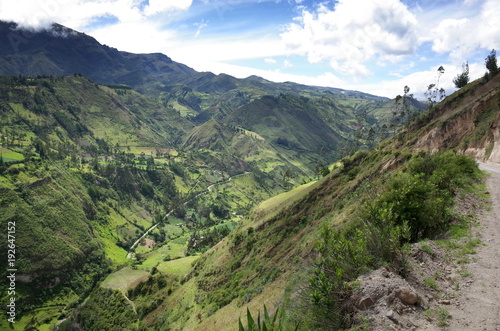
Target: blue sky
(375, 46)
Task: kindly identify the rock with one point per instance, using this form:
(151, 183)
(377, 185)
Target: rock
(423, 303)
(408, 296)
(393, 316)
(444, 302)
(366, 302)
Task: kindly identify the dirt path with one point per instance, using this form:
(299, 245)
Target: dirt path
(479, 303)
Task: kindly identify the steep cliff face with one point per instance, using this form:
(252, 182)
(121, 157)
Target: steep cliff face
(469, 121)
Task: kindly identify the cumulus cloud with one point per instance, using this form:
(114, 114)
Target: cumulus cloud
(80, 13)
(353, 33)
(463, 36)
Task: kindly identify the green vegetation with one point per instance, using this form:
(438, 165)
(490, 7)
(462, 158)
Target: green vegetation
(431, 283)
(440, 314)
(106, 309)
(462, 79)
(86, 169)
(274, 323)
(124, 278)
(412, 205)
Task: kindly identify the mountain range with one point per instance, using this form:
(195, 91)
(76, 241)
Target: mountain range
(231, 181)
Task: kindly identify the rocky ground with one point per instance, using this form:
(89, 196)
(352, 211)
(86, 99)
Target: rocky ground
(451, 284)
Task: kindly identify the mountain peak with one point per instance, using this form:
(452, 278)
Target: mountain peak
(59, 50)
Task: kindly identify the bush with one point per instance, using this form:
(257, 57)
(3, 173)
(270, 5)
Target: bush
(419, 202)
(275, 322)
(424, 194)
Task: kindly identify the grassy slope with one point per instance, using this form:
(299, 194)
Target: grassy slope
(280, 243)
(249, 147)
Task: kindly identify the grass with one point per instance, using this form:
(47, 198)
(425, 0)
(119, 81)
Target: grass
(431, 283)
(9, 155)
(173, 250)
(440, 314)
(124, 278)
(280, 199)
(179, 267)
(443, 315)
(427, 249)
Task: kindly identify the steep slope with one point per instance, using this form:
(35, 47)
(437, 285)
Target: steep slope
(61, 51)
(87, 111)
(468, 120)
(296, 122)
(252, 149)
(272, 252)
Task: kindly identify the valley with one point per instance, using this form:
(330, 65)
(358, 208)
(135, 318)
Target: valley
(147, 195)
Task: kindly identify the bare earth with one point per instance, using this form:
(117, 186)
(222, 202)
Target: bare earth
(479, 303)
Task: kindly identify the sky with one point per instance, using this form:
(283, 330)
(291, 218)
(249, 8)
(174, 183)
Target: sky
(373, 46)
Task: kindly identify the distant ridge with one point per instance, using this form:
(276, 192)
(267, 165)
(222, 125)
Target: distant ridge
(61, 51)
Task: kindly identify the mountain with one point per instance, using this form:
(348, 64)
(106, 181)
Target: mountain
(353, 219)
(60, 51)
(296, 122)
(107, 155)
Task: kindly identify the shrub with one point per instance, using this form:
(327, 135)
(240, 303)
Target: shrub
(270, 323)
(421, 203)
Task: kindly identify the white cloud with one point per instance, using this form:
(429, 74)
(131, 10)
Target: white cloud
(287, 64)
(270, 60)
(419, 81)
(354, 33)
(135, 37)
(77, 14)
(198, 52)
(159, 6)
(200, 26)
(461, 37)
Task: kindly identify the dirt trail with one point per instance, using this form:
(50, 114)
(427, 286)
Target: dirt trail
(479, 303)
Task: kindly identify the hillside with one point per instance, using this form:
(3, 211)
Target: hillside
(60, 51)
(297, 123)
(268, 259)
(148, 195)
(85, 169)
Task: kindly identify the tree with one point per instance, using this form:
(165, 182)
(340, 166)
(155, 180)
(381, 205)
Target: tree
(491, 63)
(402, 113)
(462, 79)
(286, 177)
(435, 94)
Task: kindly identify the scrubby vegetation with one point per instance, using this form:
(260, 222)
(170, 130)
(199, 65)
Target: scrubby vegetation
(412, 204)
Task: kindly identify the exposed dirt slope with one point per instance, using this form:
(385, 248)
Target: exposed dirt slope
(468, 120)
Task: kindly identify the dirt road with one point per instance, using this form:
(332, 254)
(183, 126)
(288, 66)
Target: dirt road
(479, 303)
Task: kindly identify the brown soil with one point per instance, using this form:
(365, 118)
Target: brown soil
(440, 291)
